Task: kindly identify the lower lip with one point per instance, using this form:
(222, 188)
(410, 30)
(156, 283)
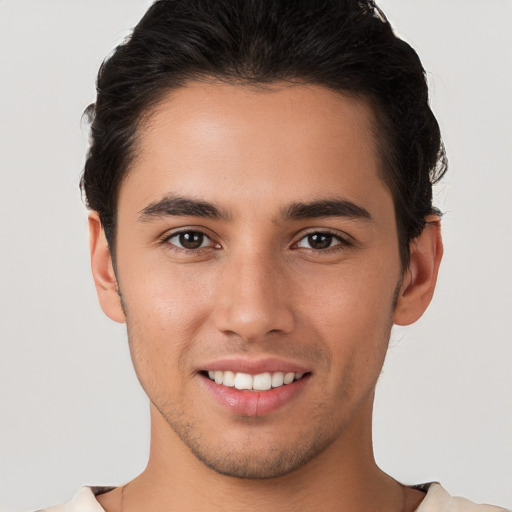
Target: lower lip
(254, 403)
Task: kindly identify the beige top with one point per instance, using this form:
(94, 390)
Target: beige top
(436, 500)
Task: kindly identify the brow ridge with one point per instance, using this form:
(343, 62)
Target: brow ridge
(326, 208)
(172, 205)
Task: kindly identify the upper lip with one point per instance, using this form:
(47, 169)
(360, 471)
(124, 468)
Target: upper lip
(254, 366)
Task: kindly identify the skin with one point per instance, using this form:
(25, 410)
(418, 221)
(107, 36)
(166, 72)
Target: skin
(259, 288)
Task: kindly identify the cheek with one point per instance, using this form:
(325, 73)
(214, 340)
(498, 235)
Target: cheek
(352, 313)
(353, 299)
(165, 311)
(162, 295)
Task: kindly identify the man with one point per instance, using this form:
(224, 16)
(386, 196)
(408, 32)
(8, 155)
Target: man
(260, 184)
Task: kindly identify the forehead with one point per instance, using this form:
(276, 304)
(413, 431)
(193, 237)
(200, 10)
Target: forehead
(235, 142)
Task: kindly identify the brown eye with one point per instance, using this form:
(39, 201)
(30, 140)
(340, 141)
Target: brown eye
(189, 240)
(319, 241)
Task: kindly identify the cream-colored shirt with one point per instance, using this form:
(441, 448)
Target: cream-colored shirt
(436, 500)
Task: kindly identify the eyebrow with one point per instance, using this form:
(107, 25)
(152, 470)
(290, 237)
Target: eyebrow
(177, 206)
(326, 208)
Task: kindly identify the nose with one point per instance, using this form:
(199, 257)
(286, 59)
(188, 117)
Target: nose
(253, 298)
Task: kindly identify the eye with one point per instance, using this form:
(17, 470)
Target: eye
(189, 240)
(320, 241)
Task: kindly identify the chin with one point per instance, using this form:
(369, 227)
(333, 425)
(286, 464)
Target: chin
(251, 467)
(257, 455)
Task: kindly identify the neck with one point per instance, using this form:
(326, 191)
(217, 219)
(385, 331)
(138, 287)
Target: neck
(343, 477)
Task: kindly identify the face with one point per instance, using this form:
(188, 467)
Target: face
(258, 263)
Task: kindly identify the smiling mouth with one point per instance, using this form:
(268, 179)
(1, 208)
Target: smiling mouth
(248, 382)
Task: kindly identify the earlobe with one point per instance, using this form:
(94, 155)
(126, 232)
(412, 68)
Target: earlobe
(419, 280)
(103, 271)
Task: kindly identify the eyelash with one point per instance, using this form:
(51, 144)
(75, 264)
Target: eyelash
(343, 243)
(183, 250)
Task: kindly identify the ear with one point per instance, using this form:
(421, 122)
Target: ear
(419, 281)
(103, 271)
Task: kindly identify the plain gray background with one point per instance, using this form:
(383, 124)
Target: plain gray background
(71, 410)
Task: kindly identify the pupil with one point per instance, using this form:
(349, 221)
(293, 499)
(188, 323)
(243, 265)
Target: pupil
(191, 239)
(320, 241)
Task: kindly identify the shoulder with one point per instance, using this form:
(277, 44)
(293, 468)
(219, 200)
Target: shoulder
(83, 501)
(438, 500)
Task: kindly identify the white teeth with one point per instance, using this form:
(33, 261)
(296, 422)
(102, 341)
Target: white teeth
(262, 382)
(288, 377)
(243, 381)
(277, 379)
(259, 382)
(229, 379)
